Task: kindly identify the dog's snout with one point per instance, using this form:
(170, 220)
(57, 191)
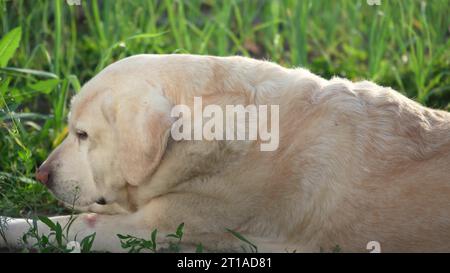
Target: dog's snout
(43, 174)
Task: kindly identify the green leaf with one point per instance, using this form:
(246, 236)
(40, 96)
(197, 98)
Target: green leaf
(144, 36)
(87, 242)
(58, 231)
(199, 248)
(180, 230)
(73, 80)
(253, 247)
(123, 237)
(44, 240)
(179, 233)
(47, 222)
(4, 84)
(25, 238)
(33, 72)
(45, 86)
(9, 44)
(154, 239)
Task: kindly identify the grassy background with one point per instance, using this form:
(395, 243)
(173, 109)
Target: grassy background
(403, 44)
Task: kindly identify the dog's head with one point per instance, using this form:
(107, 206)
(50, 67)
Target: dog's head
(118, 130)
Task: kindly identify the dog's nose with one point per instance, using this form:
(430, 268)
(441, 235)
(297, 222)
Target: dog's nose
(42, 174)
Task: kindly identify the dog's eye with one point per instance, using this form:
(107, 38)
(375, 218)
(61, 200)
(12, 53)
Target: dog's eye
(82, 135)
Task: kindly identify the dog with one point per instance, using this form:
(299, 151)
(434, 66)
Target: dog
(356, 162)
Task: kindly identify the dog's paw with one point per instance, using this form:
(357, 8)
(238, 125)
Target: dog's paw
(4, 225)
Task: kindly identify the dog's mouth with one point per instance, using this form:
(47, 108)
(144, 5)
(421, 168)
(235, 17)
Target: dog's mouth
(85, 207)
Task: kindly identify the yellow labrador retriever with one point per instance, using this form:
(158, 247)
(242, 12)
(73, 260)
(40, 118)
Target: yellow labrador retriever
(355, 162)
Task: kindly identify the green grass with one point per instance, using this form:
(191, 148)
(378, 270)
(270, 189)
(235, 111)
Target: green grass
(403, 44)
(58, 240)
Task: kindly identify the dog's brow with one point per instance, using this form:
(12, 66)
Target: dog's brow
(71, 128)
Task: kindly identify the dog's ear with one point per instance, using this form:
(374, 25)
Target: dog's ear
(142, 124)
